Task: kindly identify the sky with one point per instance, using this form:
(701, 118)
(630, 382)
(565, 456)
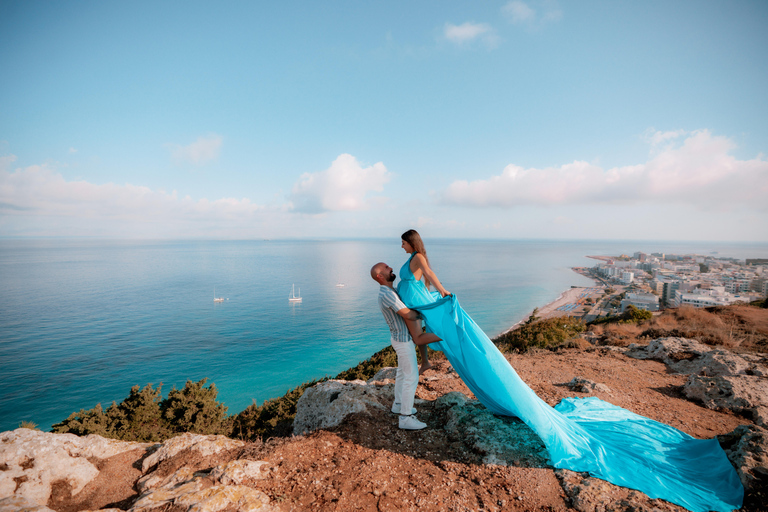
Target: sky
(345, 119)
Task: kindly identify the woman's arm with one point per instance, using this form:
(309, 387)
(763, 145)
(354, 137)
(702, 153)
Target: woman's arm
(421, 263)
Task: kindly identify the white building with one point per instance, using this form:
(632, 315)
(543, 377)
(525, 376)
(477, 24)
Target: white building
(657, 286)
(627, 277)
(701, 300)
(647, 301)
(716, 296)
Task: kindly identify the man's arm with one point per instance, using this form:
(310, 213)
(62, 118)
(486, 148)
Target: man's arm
(408, 314)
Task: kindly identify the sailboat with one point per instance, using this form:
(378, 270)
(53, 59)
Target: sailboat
(215, 298)
(293, 297)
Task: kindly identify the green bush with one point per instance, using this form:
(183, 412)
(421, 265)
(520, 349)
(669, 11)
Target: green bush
(272, 418)
(631, 315)
(368, 368)
(195, 409)
(138, 417)
(145, 416)
(547, 333)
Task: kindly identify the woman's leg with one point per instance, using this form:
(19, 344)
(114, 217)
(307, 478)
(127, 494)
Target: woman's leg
(419, 337)
(425, 364)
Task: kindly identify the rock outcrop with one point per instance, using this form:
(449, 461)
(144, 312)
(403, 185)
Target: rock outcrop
(204, 446)
(587, 494)
(326, 404)
(747, 449)
(719, 379)
(502, 441)
(43, 472)
(176, 474)
(33, 461)
(582, 385)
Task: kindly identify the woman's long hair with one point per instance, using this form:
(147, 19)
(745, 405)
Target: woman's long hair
(414, 239)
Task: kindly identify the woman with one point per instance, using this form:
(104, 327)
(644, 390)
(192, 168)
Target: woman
(414, 292)
(583, 435)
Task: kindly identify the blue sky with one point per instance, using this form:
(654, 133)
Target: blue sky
(508, 119)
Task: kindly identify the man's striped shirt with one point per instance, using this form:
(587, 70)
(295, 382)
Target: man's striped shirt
(390, 304)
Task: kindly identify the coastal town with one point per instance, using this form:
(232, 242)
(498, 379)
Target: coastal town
(657, 281)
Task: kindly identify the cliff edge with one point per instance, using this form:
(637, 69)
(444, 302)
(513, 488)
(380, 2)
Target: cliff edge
(348, 454)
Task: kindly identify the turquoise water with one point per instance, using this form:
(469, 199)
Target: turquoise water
(83, 321)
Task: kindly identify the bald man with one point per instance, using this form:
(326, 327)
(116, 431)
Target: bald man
(403, 337)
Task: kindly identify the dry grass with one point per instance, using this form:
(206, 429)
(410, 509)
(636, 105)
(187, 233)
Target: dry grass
(619, 335)
(740, 327)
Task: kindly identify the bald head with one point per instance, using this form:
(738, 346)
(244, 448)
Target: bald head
(382, 274)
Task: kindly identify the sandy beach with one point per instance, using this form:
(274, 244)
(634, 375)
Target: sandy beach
(568, 303)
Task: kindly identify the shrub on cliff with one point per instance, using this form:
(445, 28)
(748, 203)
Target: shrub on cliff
(275, 417)
(548, 333)
(631, 315)
(84, 422)
(195, 409)
(145, 416)
(368, 368)
(272, 418)
(137, 418)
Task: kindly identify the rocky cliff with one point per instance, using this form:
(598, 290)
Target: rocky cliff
(348, 454)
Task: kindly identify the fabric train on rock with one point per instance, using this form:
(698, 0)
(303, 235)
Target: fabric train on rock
(585, 435)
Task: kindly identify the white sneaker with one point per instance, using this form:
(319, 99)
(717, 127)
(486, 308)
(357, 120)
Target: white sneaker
(411, 423)
(396, 409)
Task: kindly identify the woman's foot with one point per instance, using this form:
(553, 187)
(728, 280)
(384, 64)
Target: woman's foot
(424, 367)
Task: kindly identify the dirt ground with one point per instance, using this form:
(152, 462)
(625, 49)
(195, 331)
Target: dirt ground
(367, 463)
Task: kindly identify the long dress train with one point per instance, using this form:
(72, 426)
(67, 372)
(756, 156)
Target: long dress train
(587, 434)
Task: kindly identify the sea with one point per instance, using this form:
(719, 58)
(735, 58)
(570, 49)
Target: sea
(82, 321)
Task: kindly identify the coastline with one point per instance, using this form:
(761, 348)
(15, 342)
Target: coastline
(568, 302)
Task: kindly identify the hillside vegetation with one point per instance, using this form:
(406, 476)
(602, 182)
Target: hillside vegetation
(145, 416)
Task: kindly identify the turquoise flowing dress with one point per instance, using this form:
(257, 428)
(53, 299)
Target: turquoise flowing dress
(581, 434)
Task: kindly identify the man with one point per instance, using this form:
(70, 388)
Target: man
(403, 337)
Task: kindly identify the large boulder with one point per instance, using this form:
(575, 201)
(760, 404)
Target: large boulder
(33, 461)
(326, 404)
(747, 449)
(203, 491)
(500, 440)
(680, 354)
(690, 356)
(203, 445)
(587, 494)
(384, 376)
(742, 394)
(718, 378)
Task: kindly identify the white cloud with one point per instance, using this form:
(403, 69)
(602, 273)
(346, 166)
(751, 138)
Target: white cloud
(203, 150)
(520, 13)
(468, 31)
(343, 186)
(699, 171)
(40, 196)
(655, 137)
(6, 161)
(72, 151)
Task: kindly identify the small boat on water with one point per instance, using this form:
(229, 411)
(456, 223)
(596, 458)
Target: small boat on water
(340, 285)
(293, 297)
(215, 298)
